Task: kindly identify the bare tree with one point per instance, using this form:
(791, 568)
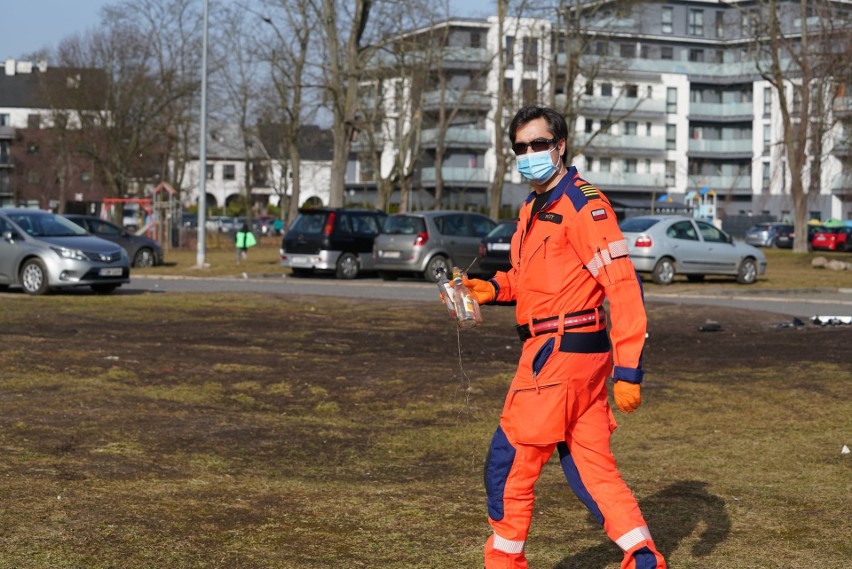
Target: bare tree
(803, 63)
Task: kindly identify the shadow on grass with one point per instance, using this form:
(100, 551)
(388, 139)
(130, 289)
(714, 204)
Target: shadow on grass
(673, 514)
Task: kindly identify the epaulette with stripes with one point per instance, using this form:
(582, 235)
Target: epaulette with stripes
(580, 192)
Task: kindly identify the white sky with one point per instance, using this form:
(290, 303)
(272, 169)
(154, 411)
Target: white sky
(30, 25)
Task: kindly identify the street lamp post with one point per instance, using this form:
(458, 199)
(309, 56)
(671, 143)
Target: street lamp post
(201, 251)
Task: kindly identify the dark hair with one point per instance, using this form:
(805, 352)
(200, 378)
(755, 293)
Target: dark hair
(555, 122)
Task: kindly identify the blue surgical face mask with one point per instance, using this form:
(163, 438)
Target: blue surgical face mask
(537, 166)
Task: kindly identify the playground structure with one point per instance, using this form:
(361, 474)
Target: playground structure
(703, 204)
(161, 213)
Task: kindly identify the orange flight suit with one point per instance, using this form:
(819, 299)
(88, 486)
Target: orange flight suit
(565, 261)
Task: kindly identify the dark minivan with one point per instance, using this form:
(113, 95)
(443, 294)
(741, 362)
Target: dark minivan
(335, 240)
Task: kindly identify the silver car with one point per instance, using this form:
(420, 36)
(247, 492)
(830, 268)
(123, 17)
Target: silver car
(40, 251)
(669, 245)
(419, 243)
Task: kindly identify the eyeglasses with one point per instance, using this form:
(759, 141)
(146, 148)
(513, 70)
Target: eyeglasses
(538, 145)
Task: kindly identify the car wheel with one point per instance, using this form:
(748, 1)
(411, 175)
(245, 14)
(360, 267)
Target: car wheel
(435, 263)
(347, 266)
(695, 278)
(143, 258)
(664, 272)
(747, 272)
(302, 272)
(386, 276)
(34, 277)
(104, 288)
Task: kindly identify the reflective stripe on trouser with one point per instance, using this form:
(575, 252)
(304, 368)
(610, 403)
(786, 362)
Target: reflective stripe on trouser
(513, 468)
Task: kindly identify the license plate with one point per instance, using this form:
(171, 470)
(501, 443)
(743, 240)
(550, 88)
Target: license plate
(297, 260)
(390, 254)
(116, 272)
(500, 246)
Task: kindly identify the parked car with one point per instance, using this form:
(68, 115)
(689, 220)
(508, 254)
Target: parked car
(494, 247)
(770, 235)
(837, 238)
(665, 246)
(40, 251)
(143, 251)
(420, 243)
(337, 240)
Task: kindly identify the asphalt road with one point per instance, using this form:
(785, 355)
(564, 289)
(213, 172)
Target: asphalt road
(801, 304)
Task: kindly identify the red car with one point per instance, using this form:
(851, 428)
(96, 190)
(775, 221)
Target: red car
(832, 238)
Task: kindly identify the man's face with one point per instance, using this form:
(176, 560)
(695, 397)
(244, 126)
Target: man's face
(535, 136)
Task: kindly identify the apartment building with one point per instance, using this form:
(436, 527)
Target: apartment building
(667, 104)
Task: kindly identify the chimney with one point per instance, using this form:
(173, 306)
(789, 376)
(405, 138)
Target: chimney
(10, 67)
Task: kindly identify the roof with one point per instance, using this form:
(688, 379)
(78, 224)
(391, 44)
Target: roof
(59, 88)
(315, 143)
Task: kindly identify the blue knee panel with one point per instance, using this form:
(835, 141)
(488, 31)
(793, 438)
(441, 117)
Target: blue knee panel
(501, 455)
(645, 559)
(576, 483)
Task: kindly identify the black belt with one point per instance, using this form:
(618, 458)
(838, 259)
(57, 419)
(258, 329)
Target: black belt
(569, 321)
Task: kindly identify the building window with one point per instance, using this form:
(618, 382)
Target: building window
(647, 129)
(85, 177)
(696, 55)
(797, 99)
(4, 119)
(647, 165)
(765, 180)
(590, 128)
(510, 52)
(600, 48)
(720, 24)
(671, 100)
(628, 50)
(606, 164)
(33, 177)
(33, 121)
(606, 124)
(670, 173)
(32, 148)
(645, 51)
(767, 138)
(767, 101)
(606, 89)
(229, 172)
(475, 39)
(211, 169)
(508, 86)
(630, 165)
(695, 23)
(667, 19)
(631, 91)
(666, 52)
(671, 137)
(530, 52)
(719, 56)
(630, 128)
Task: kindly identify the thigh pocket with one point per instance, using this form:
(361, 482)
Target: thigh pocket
(537, 416)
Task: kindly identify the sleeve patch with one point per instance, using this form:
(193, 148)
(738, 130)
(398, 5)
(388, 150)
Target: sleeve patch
(599, 214)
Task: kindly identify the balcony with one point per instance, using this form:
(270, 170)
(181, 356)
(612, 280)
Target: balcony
(721, 148)
(721, 183)
(721, 111)
(619, 106)
(457, 137)
(608, 180)
(7, 132)
(455, 98)
(457, 176)
(625, 144)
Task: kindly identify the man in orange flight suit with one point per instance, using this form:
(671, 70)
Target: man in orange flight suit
(568, 255)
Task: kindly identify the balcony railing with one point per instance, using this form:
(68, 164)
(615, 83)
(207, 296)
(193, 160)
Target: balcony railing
(745, 146)
(721, 183)
(456, 175)
(457, 98)
(622, 142)
(619, 105)
(458, 136)
(606, 180)
(7, 132)
(722, 110)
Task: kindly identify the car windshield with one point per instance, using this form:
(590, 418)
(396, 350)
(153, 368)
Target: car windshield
(309, 222)
(504, 229)
(404, 225)
(40, 224)
(636, 225)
